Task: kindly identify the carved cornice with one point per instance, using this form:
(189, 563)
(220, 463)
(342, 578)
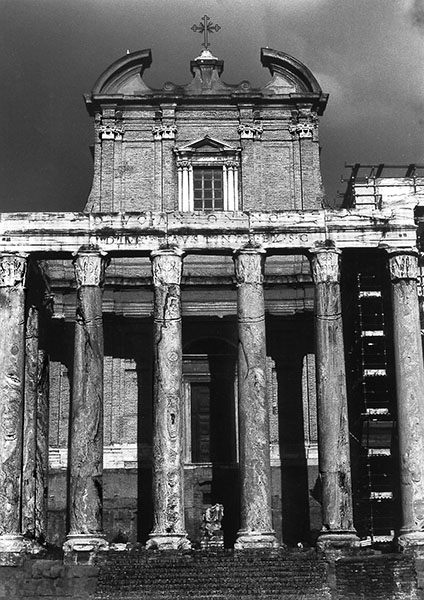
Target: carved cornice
(89, 268)
(249, 265)
(167, 266)
(13, 269)
(403, 265)
(164, 132)
(250, 131)
(325, 264)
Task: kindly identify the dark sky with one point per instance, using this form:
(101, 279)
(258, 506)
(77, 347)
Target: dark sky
(367, 54)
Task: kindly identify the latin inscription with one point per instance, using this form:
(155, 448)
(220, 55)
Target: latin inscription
(230, 240)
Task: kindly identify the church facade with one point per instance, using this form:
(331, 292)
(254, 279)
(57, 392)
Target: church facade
(206, 332)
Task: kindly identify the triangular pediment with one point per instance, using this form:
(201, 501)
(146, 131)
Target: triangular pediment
(206, 144)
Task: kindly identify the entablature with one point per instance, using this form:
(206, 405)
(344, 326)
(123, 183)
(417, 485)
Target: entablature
(214, 233)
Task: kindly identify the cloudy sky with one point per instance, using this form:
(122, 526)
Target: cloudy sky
(367, 54)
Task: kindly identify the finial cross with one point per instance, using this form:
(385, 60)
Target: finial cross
(206, 27)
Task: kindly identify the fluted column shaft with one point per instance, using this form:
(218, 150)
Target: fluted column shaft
(255, 471)
(409, 369)
(12, 358)
(86, 428)
(168, 475)
(333, 426)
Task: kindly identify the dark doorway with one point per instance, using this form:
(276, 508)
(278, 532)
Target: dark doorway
(211, 435)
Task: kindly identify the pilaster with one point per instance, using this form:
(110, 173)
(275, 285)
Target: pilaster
(255, 471)
(168, 477)
(409, 370)
(333, 427)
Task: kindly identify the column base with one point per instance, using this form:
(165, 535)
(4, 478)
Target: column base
(256, 540)
(12, 550)
(413, 540)
(337, 541)
(82, 548)
(168, 541)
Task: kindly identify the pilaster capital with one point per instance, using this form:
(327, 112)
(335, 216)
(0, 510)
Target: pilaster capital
(164, 132)
(250, 131)
(13, 269)
(303, 130)
(325, 264)
(89, 266)
(111, 132)
(403, 264)
(249, 264)
(167, 266)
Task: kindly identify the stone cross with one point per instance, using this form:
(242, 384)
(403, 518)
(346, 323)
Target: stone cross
(206, 26)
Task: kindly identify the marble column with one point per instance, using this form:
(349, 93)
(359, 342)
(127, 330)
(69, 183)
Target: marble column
(409, 370)
(30, 423)
(255, 471)
(12, 357)
(333, 427)
(42, 447)
(86, 419)
(168, 476)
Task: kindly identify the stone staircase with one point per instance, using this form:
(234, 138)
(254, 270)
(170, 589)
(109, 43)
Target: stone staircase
(219, 575)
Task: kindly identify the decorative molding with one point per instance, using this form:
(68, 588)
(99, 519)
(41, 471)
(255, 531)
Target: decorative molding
(89, 268)
(111, 132)
(325, 264)
(164, 132)
(249, 266)
(13, 269)
(167, 266)
(250, 131)
(403, 265)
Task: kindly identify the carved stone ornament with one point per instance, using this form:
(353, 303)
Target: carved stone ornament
(111, 132)
(403, 265)
(231, 164)
(250, 131)
(326, 265)
(183, 164)
(167, 266)
(89, 268)
(13, 268)
(303, 130)
(164, 132)
(249, 265)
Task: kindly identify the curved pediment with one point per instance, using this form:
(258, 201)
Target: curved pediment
(125, 76)
(289, 75)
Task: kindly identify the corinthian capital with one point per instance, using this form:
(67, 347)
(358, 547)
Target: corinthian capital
(167, 266)
(13, 268)
(249, 265)
(325, 264)
(89, 268)
(403, 264)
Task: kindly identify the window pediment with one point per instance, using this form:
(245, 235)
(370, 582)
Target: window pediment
(206, 145)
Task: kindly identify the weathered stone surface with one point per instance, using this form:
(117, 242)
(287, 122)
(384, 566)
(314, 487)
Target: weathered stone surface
(168, 502)
(403, 267)
(12, 356)
(334, 454)
(86, 430)
(255, 471)
(42, 447)
(30, 423)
